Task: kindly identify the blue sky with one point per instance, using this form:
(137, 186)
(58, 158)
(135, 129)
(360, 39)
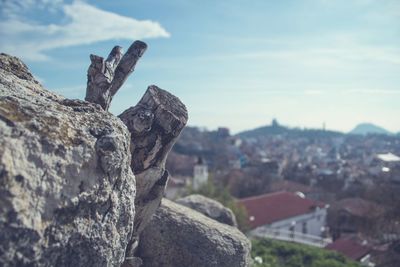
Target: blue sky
(233, 63)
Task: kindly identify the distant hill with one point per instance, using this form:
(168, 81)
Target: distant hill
(369, 128)
(264, 130)
(277, 129)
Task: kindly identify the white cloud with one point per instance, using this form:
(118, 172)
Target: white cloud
(330, 51)
(323, 56)
(86, 24)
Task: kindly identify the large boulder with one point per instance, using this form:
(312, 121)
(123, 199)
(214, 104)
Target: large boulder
(178, 236)
(66, 186)
(209, 207)
(67, 189)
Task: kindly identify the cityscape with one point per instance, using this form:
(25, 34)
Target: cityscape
(200, 133)
(334, 190)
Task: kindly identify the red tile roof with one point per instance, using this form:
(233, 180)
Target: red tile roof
(349, 248)
(269, 208)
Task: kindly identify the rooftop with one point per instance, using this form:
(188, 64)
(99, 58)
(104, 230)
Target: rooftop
(388, 157)
(350, 248)
(273, 207)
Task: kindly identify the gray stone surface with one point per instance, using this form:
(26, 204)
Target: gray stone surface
(67, 190)
(66, 186)
(179, 237)
(209, 207)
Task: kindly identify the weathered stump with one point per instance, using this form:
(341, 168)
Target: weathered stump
(154, 123)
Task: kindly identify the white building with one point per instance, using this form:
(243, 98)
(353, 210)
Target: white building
(200, 174)
(385, 165)
(287, 216)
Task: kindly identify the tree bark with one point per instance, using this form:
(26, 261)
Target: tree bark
(154, 123)
(106, 77)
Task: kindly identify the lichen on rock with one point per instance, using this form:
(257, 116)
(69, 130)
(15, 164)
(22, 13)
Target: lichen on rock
(66, 186)
(68, 191)
(178, 236)
(210, 208)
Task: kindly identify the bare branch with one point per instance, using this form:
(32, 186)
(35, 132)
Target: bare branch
(127, 65)
(106, 77)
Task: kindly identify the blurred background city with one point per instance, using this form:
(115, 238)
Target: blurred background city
(294, 115)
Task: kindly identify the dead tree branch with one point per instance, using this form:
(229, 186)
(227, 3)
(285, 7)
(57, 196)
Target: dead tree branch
(154, 123)
(106, 77)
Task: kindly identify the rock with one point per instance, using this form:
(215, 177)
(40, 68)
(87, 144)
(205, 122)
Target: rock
(178, 236)
(66, 186)
(68, 192)
(209, 207)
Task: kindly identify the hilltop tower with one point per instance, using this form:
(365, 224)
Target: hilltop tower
(274, 123)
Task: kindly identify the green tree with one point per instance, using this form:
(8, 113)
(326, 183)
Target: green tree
(285, 254)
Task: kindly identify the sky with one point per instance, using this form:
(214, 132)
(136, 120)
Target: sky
(236, 64)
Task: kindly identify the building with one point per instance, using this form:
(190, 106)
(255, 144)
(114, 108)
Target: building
(200, 174)
(353, 215)
(287, 216)
(352, 249)
(386, 165)
(223, 132)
